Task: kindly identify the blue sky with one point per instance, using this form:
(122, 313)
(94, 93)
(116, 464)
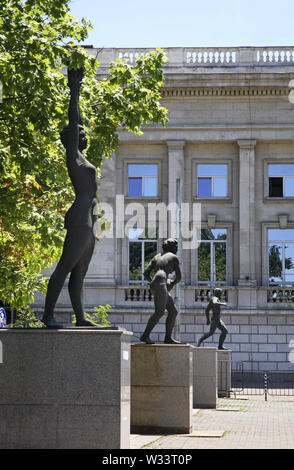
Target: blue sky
(179, 23)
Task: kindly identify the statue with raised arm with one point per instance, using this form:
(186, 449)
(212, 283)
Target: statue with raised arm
(157, 273)
(81, 218)
(215, 306)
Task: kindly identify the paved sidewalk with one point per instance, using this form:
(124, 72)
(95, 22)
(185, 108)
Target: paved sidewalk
(246, 424)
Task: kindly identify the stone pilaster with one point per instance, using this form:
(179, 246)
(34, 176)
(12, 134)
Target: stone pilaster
(175, 169)
(247, 278)
(176, 196)
(247, 212)
(102, 268)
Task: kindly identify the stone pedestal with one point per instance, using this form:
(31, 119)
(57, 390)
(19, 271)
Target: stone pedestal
(224, 373)
(66, 388)
(161, 388)
(204, 377)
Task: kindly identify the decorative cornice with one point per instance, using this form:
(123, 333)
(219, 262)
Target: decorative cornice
(182, 92)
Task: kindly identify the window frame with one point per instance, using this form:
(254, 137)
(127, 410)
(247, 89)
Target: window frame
(229, 257)
(282, 243)
(265, 247)
(267, 162)
(195, 177)
(143, 281)
(128, 162)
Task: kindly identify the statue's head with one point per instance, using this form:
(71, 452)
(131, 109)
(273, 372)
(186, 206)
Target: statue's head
(170, 245)
(218, 292)
(64, 136)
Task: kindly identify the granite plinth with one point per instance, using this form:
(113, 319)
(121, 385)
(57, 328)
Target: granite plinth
(224, 381)
(204, 377)
(63, 389)
(161, 388)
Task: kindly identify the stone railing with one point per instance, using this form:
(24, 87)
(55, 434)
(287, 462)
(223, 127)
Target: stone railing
(205, 56)
(204, 294)
(143, 293)
(279, 294)
(137, 294)
(275, 55)
(213, 56)
(201, 294)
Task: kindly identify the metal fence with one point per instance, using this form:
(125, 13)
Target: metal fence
(234, 379)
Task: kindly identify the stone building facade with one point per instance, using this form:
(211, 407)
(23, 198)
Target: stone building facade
(228, 146)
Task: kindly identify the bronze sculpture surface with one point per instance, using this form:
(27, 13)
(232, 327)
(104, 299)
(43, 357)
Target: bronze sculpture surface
(157, 273)
(215, 322)
(81, 218)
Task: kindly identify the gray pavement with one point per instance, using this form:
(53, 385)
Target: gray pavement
(237, 423)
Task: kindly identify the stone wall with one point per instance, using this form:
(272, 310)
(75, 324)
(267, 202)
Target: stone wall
(260, 342)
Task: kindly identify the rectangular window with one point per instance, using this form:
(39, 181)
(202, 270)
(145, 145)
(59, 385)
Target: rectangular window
(212, 257)
(141, 251)
(281, 180)
(281, 256)
(212, 180)
(142, 180)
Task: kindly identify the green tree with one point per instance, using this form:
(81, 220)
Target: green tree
(38, 39)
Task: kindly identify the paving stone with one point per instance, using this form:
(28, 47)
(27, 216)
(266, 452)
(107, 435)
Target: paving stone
(264, 425)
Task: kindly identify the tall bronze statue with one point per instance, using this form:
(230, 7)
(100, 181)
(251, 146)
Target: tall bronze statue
(81, 218)
(215, 306)
(157, 273)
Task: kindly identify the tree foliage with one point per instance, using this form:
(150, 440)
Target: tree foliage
(38, 39)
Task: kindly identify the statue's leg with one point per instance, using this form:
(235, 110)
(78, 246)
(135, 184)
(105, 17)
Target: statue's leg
(211, 331)
(223, 334)
(170, 321)
(73, 248)
(76, 280)
(160, 295)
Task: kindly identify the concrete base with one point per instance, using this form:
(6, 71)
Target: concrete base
(161, 388)
(204, 377)
(224, 372)
(65, 389)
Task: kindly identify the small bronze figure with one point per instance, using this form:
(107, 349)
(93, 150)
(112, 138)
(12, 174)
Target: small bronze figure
(160, 267)
(81, 218)
(216, 322)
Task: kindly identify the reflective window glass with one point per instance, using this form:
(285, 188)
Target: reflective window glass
(212, 256)
(220, 187)
(281, 256)
(141, 251)
(280, 169)
(142, 170)
(150, 250)
(135, 261)
(289, 187)
(135, 187)
(212, 170)
(220, 255)
(277, 234)
(150, 187)
(204, 187)
(142, 180)
(289, 263)
(204, 262)
(214, 234)
(212, 180)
